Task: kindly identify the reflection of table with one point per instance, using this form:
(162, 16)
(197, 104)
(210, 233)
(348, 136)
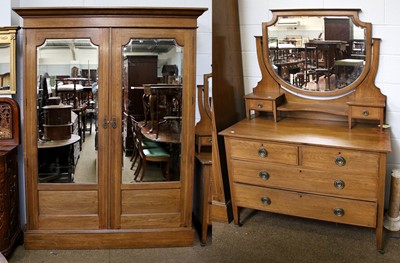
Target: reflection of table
(56, 160)
(166, 134)
(162, 102)
(170, 138)
(321, 56)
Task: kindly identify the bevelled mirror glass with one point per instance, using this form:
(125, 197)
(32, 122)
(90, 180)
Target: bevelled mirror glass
(316, 53)
(8, 60)
(67, 107)
(152, 110)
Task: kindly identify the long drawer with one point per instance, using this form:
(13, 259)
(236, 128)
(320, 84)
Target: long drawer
(362, 186)
(313, 206)
(340, 160)
(266, 151)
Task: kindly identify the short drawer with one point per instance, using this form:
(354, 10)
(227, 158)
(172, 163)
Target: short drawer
(264, 151)
(340, 160)
(368, 113)
(361, 213)
(204, 140)
(357, 186)
(259, 105)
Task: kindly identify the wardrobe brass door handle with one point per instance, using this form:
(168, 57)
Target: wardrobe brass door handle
(114, 123)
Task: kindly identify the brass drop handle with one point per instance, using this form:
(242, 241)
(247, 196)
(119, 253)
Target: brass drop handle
(365, 113)
(264, 175)
(262, 152)
(114, 123)
(265, 200)
(340, 161)
(338, 211)
(260, 105)
(105, 122)
(339, 184)
(210, 140)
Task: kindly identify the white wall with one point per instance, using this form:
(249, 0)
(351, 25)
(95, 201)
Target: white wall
(383, 15)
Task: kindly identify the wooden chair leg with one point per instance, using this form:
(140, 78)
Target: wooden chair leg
(143, 170)
(167, 174)
(138, 168)
(135, 158)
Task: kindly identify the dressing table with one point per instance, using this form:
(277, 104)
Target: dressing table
(318, 154)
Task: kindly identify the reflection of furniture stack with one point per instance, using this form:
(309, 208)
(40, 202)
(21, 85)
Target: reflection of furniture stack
(138, 70)
(57, 122)
(57, 151)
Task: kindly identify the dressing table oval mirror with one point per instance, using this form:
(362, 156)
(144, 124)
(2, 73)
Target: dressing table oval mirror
(318, 64)
(320, 53)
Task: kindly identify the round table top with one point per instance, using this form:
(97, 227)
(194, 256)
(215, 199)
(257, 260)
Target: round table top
(58, 143)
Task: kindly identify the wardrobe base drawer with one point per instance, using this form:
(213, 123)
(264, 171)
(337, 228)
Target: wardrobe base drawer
(320, 207)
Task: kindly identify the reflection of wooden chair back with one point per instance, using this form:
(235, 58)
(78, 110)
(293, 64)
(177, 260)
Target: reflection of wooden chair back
(203, 128)
(149, 154)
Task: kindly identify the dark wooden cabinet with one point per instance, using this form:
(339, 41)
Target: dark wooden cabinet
(10, 228)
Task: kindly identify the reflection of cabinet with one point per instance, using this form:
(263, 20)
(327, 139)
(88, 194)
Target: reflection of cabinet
(338, 29)
(138, 70)
(109, 212)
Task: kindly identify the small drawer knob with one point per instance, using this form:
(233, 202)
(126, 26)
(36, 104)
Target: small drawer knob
(264, 175)
(339, 184)
(262, 152)
(265, 200)
(340, 161)
(260, 105)
(338, 211)
(365, 113)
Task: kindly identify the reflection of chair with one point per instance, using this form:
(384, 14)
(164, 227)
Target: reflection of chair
(146, 143)
(154, 154)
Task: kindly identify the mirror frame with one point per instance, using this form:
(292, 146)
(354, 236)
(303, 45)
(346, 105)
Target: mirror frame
(8, 35)
(352, 14)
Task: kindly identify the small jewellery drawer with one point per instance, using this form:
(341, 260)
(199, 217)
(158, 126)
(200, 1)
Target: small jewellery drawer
(332, 209)
(204, 140)
(264, 151)
(369, 113)
(305, 180)
(366, 163)
(259, 105)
